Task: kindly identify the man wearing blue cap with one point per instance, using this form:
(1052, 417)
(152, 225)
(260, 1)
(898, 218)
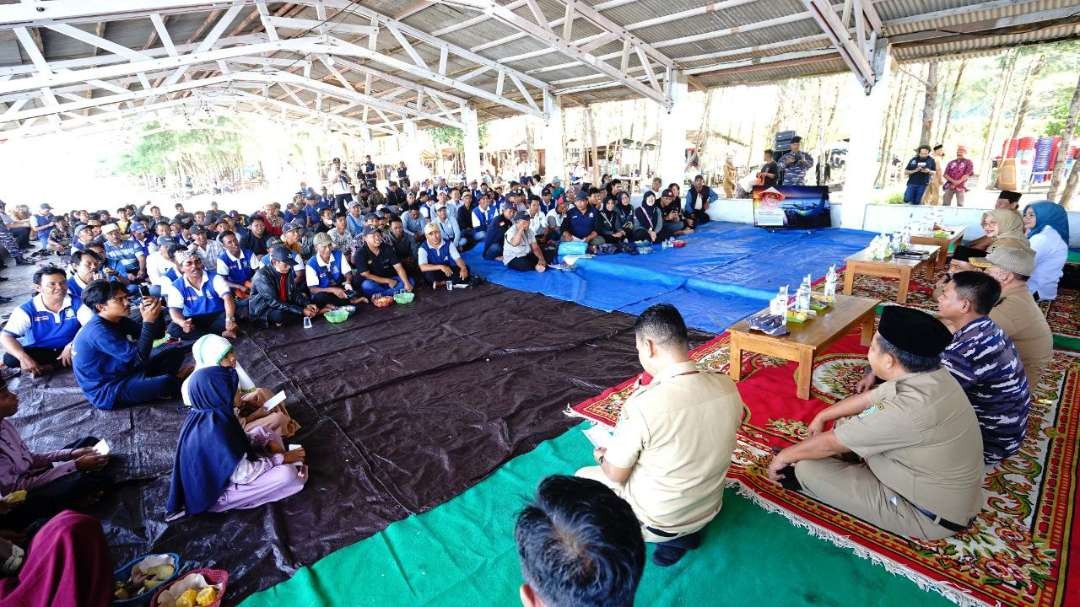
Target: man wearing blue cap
(138, 236)
(493, 239)
(921, 467)
(41, 225)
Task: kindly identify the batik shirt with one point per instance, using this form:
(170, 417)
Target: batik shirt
(985, 362)
(795, 173)
(957, 168)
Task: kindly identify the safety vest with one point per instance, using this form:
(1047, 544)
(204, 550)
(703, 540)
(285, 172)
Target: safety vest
(329, 275)
(484, 217)
(239, 269)
(49, 330)
(439, 256)
(199, 302)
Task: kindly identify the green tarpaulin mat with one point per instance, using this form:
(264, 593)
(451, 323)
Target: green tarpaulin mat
(463, 553)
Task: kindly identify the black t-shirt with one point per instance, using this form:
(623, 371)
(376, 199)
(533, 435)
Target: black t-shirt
(365, 260)
(254, 244)
(185, 219)
(920, 178)
(773, 169)
(402, 247)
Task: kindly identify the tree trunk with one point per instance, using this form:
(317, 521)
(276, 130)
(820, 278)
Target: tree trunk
(939, 108)
(885, 153)
(706, 127)
(1070, 187)
(995, 116)
(1063, 149)
(591, 127)
(929, 103)
(781, 104)
(530, 149)
(1034, 68)
(952, 101)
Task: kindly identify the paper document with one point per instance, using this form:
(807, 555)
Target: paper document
(275, 400)
(599, 435)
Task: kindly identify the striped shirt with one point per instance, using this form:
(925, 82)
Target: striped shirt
(985, 362)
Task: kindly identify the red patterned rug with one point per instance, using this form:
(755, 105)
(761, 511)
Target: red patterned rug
(1016, 554)
(1062, 314)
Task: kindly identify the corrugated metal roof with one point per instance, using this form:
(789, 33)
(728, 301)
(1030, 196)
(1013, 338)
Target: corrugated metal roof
(722, 40)
(983, 44)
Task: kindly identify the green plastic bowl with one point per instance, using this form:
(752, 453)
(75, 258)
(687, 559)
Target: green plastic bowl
(405, 297)
(336, 316)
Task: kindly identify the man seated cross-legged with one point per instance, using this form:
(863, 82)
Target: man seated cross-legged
(921, 469)
(673, 443)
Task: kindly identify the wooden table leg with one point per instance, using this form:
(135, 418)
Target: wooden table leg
(849, 280)
(868, 327)
(905, 280)
(804, 374)
(735, 358)
(943, 255)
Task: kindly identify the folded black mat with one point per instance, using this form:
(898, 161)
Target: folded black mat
(402, 409)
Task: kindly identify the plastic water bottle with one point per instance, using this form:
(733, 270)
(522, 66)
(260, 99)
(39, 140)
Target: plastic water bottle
(830, 284)
(802, 296)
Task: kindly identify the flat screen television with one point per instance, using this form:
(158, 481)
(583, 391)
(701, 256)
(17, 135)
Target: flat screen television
(785, 206)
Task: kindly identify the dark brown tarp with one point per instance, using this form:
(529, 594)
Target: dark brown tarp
(402, 409)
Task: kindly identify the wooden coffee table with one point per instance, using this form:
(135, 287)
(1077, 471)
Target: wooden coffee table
(805, 340)
(864, 263)
(956, 234)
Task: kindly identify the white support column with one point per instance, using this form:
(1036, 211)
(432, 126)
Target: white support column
(672, 126)
(554, 150)
(410, 151)
(472, 143)
(866, 116)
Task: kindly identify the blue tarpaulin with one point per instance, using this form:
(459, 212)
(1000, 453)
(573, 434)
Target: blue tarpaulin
(725, 272)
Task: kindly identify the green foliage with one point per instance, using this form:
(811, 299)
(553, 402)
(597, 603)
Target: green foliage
(1059, 114)
(448, 135)
(455, 137)
(211, 150)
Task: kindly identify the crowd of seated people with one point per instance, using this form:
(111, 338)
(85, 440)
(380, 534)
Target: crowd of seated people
(135, 295)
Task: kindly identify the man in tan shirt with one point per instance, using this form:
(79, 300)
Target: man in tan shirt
(1017, 313)
(673, 443)
(917, 434)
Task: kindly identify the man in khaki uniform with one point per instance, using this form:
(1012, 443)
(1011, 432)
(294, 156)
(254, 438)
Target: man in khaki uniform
(932, 196)
(1017, 313)
(917, 434)
(673, 443)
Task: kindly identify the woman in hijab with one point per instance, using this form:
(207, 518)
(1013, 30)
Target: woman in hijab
(218, 467)
(67, 563)
(625, 210)
(607, 223)
(998, 224)
(649, 220)
(1047, 227)
(249, 400)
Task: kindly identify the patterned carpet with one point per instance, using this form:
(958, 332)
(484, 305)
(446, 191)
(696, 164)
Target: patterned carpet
(1062, 314)
(1017, 552)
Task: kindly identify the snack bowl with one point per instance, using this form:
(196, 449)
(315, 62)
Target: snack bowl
(338, 315)
(198, 580)
(382, 301)
(678, 244)
(123, 574)
(404, 297)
